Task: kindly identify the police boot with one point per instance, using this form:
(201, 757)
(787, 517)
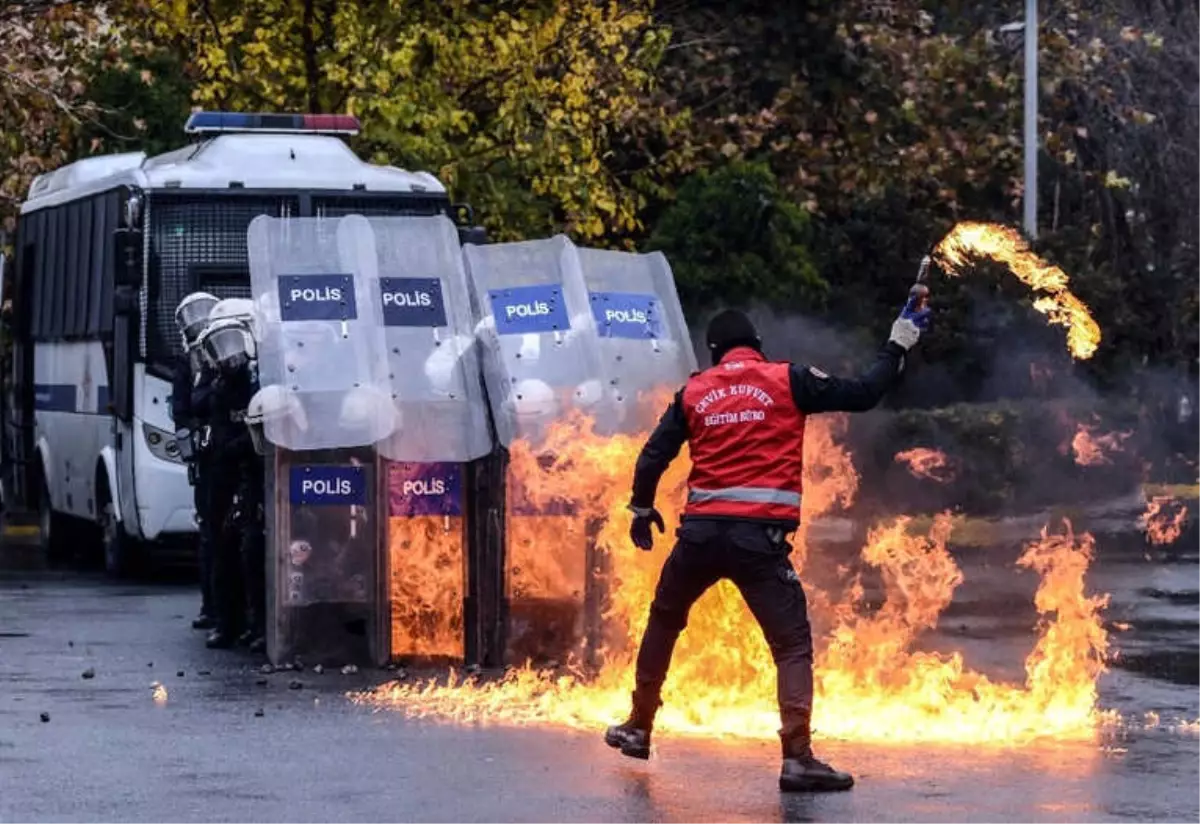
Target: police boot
(632, 737)
(220, 640)
(203, 622)
(801, 771)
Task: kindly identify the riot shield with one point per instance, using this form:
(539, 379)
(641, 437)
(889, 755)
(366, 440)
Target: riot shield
(644, 348)
(432, 361)
(320, 333)
(426, 558)
(323, 565)
(536, 333)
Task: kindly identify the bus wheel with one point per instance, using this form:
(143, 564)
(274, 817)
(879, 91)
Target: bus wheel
(52, 528)
(120, 549)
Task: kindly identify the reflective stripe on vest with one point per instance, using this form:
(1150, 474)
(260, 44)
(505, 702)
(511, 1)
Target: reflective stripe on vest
(745, 494)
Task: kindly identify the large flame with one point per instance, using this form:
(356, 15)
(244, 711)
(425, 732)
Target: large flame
(426, 567)
(1005, 245)
(871, 684)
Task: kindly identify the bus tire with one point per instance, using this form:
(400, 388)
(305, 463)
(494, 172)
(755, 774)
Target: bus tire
(52, 527)
(122, 554)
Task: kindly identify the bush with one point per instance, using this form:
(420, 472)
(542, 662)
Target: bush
(732, 237)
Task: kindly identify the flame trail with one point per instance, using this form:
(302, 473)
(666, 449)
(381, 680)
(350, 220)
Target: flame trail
(1005, 245)
(1161, 527)
(931, 464)
(870, 682)
(1095, 450)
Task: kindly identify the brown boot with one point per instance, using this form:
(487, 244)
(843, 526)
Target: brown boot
(632, 737)
(801, 771)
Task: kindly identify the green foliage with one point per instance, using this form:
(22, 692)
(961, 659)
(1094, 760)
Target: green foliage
(733, 236)
(627, 122)
(143, 99)
(519, 107)
(44, 100)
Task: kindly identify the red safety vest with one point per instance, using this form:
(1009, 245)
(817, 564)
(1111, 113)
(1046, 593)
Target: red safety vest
(746, 438)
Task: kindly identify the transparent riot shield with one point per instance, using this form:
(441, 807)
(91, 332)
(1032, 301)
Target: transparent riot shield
(323, 561)
(538, 347)
(320, 334)
(546, 581)
(432, 361)
(536, 333)
(644, 348)
(426, 557)
(326, 401)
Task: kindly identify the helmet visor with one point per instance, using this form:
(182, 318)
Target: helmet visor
(227, 347)
(192, 317)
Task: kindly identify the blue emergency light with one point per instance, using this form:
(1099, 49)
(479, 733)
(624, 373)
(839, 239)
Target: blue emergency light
(216, 122)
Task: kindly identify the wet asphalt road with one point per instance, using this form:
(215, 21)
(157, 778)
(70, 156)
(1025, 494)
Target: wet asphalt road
(109, 752)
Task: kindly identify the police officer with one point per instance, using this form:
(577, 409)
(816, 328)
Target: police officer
(744, 422)
(190, 372)
(229, 346)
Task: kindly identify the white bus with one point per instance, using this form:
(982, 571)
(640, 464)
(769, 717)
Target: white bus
(105, 249)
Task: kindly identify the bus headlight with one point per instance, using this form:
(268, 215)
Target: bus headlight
(161, 443)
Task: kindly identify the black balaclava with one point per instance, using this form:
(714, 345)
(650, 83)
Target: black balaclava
(728, 330)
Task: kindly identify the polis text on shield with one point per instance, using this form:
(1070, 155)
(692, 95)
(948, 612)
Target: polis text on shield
(322, 297)
(413, 302)
(527, 310)
(426, 486)
(328, 485)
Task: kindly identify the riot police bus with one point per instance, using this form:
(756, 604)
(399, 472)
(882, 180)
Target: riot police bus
(104, 250)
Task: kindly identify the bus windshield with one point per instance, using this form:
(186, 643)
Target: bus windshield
(197, 241)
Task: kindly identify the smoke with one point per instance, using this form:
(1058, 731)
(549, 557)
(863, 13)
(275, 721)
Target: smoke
(799, 339)
(1004, 403)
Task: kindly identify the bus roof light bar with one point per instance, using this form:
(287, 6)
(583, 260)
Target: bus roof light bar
(218, 122)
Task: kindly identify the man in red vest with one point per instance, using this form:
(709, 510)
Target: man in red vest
(744, 422)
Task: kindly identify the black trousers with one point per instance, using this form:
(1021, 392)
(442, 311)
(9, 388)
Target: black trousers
(204, 529)
(253, 560)
(755, 558)
(228, 585)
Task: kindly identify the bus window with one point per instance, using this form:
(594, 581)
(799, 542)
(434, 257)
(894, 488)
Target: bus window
(43, 237)
(57, 295)
(83, 269)
(99, 242)
(109, 206)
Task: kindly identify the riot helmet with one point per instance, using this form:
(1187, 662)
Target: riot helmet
(366, 409)
(227, 344)
(275, 405)
(242, 309)
(191, 316)
(534, 403)
(441, 365)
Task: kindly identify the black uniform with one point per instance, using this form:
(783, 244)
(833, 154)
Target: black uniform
(186, 414)
(227, 399)
(752, 553)
(249, 523)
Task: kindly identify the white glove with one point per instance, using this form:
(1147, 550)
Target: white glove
(905, 334)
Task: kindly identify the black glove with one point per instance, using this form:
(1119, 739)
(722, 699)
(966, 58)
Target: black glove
(639, 530)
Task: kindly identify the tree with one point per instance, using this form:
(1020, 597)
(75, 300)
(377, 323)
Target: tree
(43, 88)
(732, 237)
(890, 120)
(518, 106)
